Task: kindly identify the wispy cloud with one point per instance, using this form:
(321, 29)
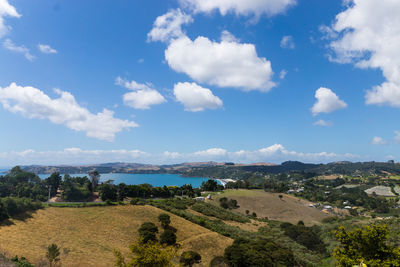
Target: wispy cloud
(9, 45)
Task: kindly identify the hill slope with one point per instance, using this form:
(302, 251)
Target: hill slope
(87, 236)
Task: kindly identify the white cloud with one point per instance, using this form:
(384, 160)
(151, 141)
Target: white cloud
(397, 137)
(282, 74)
(196, 98)
(287, 42)
(34, 103)
(323, 123)
(228, 37)
(224, 64)
(369, 37)
(239, 7)
(71, 156)
(46, 49)
(143, 99)
(132, 85)
(211, 152)
(327, 101)
(275, 153)
(6, 10)
(9, 45)
(143, 95)
(169, 26)
(378, 141)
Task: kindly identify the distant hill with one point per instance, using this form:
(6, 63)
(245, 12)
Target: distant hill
(226, 170)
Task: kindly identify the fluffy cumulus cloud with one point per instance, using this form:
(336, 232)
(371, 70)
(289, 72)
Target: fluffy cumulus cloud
(378, 141)
(6, 10)
(367, 33)
(327, 101)
(239, 7)
(287, 42)
(224, 64)
(46, 49)
(169, 26)
(31, 102)
(9, 45)
(196, 98)
(323, 123)
(143, 96)
(275, 154)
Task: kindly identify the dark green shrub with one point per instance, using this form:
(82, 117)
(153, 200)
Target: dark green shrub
(189, 258)
(168, 237)
(147, 232)
(164, 219)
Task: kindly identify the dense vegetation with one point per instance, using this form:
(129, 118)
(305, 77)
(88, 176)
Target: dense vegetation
(260, 252)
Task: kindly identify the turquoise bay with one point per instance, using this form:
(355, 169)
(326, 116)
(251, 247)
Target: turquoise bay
(153, 179)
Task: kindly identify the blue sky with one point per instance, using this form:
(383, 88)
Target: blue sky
(186, 80)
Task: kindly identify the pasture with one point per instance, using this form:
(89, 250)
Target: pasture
(265, 204)
(88, 236)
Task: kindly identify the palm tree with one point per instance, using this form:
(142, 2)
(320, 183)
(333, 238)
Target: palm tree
(53, 254)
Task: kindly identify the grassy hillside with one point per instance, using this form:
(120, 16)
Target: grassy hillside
(265, 204)
(87, 236)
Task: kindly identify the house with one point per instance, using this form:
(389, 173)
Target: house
(199, 198)
(327, 207)
(209, 196)
(348, 207)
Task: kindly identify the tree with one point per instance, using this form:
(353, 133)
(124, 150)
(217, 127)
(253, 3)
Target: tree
(147, 232)
(53, 254)
(168, 237)
(367, 245)
(94, 179)
(54, 180)
(108, 191)
(164, 219)
(188, 258)
(210, 185)
(150, 254)
(261, 252)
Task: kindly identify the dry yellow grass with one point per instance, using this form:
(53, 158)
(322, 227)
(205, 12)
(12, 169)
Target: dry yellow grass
(265, 204)
(88, 236)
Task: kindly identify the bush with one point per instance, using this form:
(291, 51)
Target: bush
(134, 201)
(218, 212)
(11, 206)
(164, 219)
(22, 262)
(219, 261)
(259, 252)
(228, 203)
(353, 212)
(168, 237)
(188, 258)
(147, 232)
(306, 236)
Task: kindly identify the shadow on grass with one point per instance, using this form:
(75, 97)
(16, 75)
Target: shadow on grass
(19, 217)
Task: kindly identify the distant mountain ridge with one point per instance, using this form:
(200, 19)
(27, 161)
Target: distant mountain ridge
(212, 169)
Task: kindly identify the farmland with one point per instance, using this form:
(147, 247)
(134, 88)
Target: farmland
(87, 236)
(265, 204)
